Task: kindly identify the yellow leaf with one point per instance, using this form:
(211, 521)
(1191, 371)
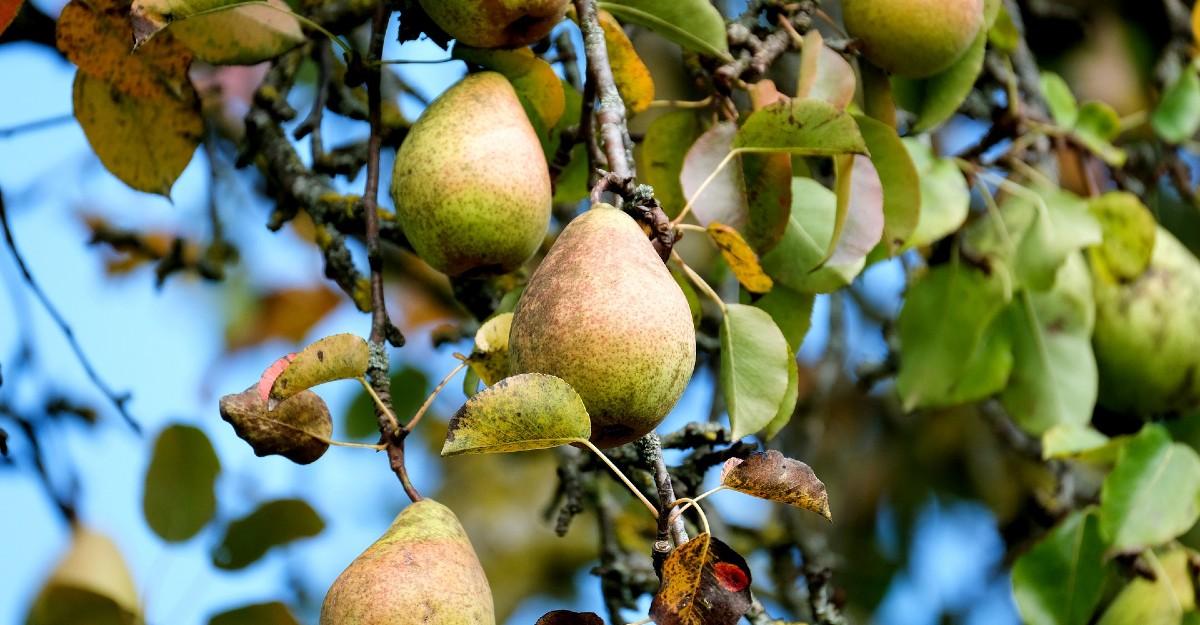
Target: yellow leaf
(532, 78)
(243, 35)
(146, 142)
(97, 37)
(741, 258)
(1196, 22)
(631, 74)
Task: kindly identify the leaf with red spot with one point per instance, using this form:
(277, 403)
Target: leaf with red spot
(567, 617)
(704, 582)
(771, 475)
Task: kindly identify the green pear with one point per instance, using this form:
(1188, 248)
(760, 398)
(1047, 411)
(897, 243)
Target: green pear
(471, 185)
(90, 584)
(913, 38)
(496, 23)
(603, 313)
(1147, 336)
(422, 571)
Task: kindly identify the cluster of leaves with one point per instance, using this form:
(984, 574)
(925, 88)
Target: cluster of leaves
(826, 174)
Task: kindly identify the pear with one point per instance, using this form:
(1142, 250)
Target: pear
(913, 38)
(603, 313)
(1147, 336)
(496, 23)
(471, 185)
(422, 571)
(90, 584)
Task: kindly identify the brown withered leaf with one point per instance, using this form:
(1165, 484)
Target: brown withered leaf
(741, 258)
(567, 617)
(704, 582)
(771, 475)
(296, 429)
(288, 314)
(97, 37)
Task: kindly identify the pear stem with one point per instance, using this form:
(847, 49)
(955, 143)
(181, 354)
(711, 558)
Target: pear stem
(628, 484)
(691, 502)
(412, 423)
(682, 104)
(699, 282)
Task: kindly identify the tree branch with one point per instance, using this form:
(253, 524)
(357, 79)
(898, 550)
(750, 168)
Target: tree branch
(382, 330)
(118, 400)
(610, 112)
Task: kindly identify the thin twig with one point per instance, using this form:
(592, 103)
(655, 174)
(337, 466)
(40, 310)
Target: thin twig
(39, 124)
(432, 396)
(118, 399)
(620, 475)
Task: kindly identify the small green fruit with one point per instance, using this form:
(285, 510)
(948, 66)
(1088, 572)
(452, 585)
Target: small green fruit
(422, 571)
(470, 183)
(913, 38)
(496, 23)
(603, 313)
(1147, 336)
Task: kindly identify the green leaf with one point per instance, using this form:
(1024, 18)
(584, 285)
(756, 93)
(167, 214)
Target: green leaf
(1161, 601)
(1177, 117)
(935, 99)
(787, 408)
(409, 388)
(179, 499)
(754, 368)
(898, 177)
(1128, 233)
(243, 35)
(270, 31)
(519, 413)
(489, 359)
(791, 310)
(661, 155)
(801, 127)
(693, 24)
(1059, 581)
(1097, 126)
(272, 524)
(59, 604)
(1071, 440)
(796, 261)
(767, 179)
(1150, 497)
(1054, 378)
(1034, 238)
(273, 613)
(944, 321)
(1063, 107)
(945, 197)
(337, 357)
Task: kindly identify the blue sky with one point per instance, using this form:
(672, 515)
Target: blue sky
(165, 347)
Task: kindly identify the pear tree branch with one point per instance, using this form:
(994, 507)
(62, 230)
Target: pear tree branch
(382, 330)
(617, 146)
